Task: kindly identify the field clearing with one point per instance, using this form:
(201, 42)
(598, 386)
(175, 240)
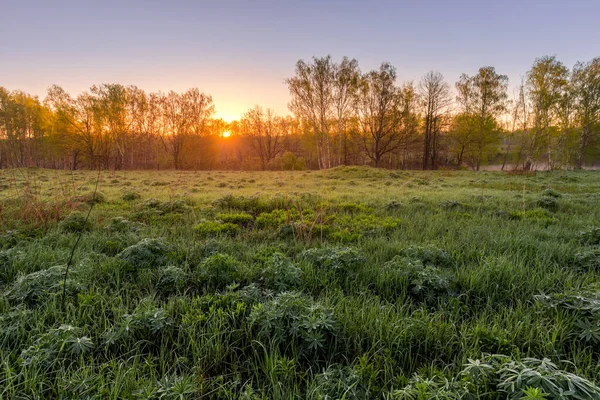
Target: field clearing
(349, 283)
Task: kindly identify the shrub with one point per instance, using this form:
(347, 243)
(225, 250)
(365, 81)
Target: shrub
(591, 236)
(551, 193)
(425, 282)
(215, 228)
(583, 304)
(341, 260)
(218, 271)
(120, 224)
(74, 223)
(338, 382)
(146, 254)
(588, 259)
(92, 198)
(236, 218)
(295, 322)
(279, 273)
(38, 286)
(428, 255)
(538, 215)
(171, 280)
(548, 203)
(271, 219)
(500, 376)
(130, 196)
(147, 323)
(452, 205)
(62, 343)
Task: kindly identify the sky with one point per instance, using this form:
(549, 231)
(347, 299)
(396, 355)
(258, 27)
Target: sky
(241, 52)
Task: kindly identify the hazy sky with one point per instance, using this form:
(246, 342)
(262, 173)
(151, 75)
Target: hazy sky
(240, 52)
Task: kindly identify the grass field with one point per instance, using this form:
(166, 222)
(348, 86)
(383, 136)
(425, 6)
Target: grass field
(350, 283)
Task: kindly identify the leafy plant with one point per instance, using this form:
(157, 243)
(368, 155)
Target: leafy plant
(74, 223)
(146, 254)
(215, 228)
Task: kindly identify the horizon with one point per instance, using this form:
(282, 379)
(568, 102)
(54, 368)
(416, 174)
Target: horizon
(159, 47)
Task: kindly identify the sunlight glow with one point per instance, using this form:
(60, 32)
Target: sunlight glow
(226, 134)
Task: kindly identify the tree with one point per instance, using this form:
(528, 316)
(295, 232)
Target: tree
(313, 99)
(586, 93)
(347, 76)
(379, 110)
(546, 81)
(483, 98)
(435, 95)
(265, 132)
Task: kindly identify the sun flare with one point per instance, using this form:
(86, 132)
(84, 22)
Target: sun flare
(226, 134)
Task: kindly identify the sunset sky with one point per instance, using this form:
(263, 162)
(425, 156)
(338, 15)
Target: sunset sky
(241, 52)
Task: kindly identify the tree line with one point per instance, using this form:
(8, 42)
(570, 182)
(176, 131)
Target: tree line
(339, 116)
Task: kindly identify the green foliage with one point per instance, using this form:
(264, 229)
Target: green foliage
(171, 280)
(236, 218)
(131, 196)
(425, 282)
(548, 203)
(279, 273)
(551, 193)
(271, 219)
(294, 322)
(590, 236)
(219, 271)
(584, 304)
(343, 261)
(215, 228)
(148, 253)
(74, 223)
(39, 286)
(538, 215)
(428, 255)
(62, 343)
(92, 198)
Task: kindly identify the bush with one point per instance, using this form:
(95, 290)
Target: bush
(548, 203)
(171, 280)
(428, 255)
(551, 193)
(74, 223)
(215, 228)
(341, 260)
(130, 196)
(294, 321)
(92, 198)
(591, 236)
(279, 273)
(236, 218)
(538, 215)
(63, 343)
(271, 219)
(338, 382)
(425, 283)
(38, 286)
(120, 224)
(588, 259)
(219, 271)
(148, 253)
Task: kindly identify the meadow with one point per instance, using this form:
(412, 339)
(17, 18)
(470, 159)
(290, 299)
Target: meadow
(348, 283)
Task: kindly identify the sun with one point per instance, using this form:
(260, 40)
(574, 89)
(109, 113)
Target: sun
(226, 134)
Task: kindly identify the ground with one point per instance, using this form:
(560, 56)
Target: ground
(347, 283)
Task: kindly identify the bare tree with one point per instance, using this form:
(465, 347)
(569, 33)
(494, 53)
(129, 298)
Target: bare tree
(435, 95)
(265, 132)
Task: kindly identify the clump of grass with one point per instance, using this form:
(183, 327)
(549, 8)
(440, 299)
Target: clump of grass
(240, 218)
(148, 253)
(131, 196)
(74, 223)
(39, 286)
(216, 228)
(548, 203)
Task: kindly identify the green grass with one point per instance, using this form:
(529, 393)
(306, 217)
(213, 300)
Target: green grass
(351, 283)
